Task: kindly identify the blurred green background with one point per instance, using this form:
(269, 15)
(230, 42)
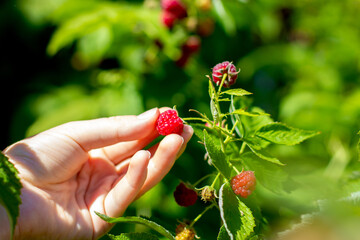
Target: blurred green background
(64, 60)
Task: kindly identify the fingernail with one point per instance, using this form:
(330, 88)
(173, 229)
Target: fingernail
(149, 153)
(147, 114)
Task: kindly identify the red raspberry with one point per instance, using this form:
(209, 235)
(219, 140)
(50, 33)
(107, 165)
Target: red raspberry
(169, 122)
(191, 46)
(244, 183)
(168, 19)
(220, 69)
(175, 7)
(184, 196)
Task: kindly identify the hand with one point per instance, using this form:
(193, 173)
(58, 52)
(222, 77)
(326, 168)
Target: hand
(75, 169)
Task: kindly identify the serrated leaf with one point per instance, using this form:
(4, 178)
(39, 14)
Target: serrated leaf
(279, 133)
(262, 153)
(256, 142)
(269, 175)
(134, 236)
(237, 92)
(223, 235)
(242, 111)
(218, 158)
(238, 219)
(139, 220)
(10, 190)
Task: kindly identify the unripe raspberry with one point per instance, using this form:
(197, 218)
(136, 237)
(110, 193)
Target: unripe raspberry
(208, 194)
(169, 122)
(175, 7)
(184, 196)
(184, 232)
(220, 69)
(244, 183)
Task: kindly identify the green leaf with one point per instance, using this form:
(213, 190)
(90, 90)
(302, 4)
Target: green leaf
(214, 111)
(269, 175)
(225, 17)
(237, 92)
(134, 236)
(262, 153)
(223, 235)
(238, 219)
(218, 158)
(279, 133)
(93, 46)
(10, 190)
(358, 146)
(139, 220)
(242, 111)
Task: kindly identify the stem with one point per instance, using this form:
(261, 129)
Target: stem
(227, 139)
(222, 83)
(202, 179)
(236, 170)
(215, 180)
(201, 214)
(243, 145)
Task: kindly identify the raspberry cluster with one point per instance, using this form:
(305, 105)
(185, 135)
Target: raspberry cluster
(169, 122)
(244, 183)
(173, 10)
(184, 196)
(223, 68)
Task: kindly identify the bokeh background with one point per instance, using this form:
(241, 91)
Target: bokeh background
(64, 60)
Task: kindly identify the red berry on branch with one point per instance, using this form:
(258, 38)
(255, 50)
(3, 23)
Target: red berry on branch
(184, 196)
(191, 46)
(244, 183)
(169, 122)
(225, 68)
(175, 7)
(168, 19)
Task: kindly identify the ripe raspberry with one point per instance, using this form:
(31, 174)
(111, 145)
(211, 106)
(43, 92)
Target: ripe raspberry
(184, 232)
(191, 46)
(168, 19)
(244, 183)
(220, 69)
(175, 7)
(169, 122)
(184, 196)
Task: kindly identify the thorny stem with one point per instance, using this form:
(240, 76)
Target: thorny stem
(201, 214)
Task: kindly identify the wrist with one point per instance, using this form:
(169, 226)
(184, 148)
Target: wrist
(5, 231)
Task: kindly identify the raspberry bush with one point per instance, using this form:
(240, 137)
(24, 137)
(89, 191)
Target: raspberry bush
(236, 145)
